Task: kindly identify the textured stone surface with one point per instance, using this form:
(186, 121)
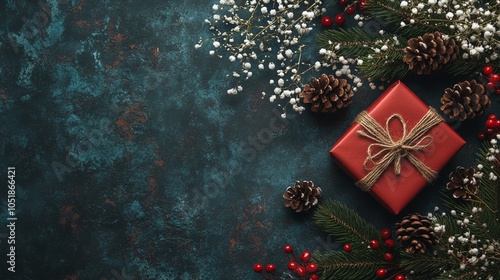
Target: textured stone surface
(133, 163)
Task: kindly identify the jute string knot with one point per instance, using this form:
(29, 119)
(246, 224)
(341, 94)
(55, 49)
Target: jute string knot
(385, 151)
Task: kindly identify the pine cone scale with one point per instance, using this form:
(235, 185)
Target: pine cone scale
(465, 100)
(430, 53)
(302, 196)
(415, 234)
(327, 94)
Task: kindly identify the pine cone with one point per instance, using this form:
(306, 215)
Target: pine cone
(465, 101)
(415, 234)
(327, 94)
(429, 53)
(302, 196)
(463, 182)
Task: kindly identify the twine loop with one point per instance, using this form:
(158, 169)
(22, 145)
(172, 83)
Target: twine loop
(385, 151)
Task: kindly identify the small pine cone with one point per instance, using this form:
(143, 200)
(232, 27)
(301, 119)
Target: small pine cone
(465, 100)
(415, 234)
(429, 53)
(463, 182)
(327, 94)
(302, 196)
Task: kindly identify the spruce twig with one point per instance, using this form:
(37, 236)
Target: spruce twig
(337, 219)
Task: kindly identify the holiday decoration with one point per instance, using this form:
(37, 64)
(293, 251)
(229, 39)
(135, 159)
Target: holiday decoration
(302, 267)
(465, 100)
(464, 182)
(425, 38)
(347, 248)
(327, 94)
(393, 151)
(302, 196)
(461, 242)
(430, 53)
(326, 21)
(492, 128)
(415, 234)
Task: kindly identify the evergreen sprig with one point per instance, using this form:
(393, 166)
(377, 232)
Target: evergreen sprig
(354, 265)
(381, 55)
(468, 234)
(346, 225)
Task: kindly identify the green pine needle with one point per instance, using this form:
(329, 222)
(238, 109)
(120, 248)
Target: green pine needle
(354, 265)
(339, 220)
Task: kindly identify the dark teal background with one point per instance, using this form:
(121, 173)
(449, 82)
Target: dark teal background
(133, 163)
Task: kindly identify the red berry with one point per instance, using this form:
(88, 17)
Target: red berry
(305, 256)
(347, 248)
(258, 267)
(497, 123)
(288, 249)
(490, 123)
(488, 70)
(492, 117)
(388, 257)
(270, 267)
(389, 243)
(343, 2)
(489, 130)
(313, 277)
(350, 10)
(495, 78)
(301, 271)
(381, 273)
(385, 233)
(340, 19)
(326, 21)
(497, 92)
(481, 136)
(362, 4)
(490, 85)
(400, 277)
(374, 244)
(292, 265)
(312, 267)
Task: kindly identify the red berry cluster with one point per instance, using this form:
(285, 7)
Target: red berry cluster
(492, 128)
(493, 79)
(302, 266)
(386, 235)
(349, 9)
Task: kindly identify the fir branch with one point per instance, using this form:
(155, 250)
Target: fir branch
(426, 264)
(458, 274)
(354, 265)
(352, 42)
(339, 220)
(465, 67)
(388, 65)
(392, 15)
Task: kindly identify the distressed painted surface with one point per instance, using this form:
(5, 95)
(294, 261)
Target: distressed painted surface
(133, 163)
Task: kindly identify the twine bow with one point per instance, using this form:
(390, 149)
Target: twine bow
(386, 150)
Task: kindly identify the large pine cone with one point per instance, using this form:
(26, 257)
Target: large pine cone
(429, 53)
(302, 196)
(465, 100)
(415, 234)
(327, 94)
(463, 182)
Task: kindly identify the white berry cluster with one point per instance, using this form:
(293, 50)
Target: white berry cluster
(473, 253)
(493, 156)
(343, 65)
(265, 35)
(475, 24)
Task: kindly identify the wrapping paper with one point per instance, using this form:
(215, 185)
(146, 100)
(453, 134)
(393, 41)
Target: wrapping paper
(396, 191)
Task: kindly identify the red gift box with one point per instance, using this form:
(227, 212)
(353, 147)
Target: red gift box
(437, 146)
